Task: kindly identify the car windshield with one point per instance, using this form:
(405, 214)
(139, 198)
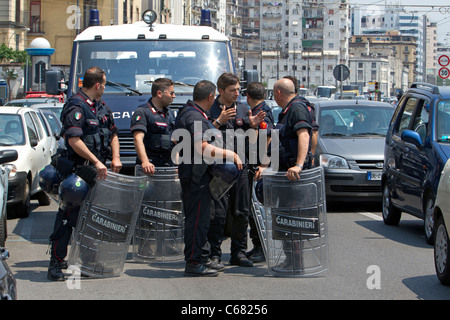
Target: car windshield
(342, 121)
(443, 121)
(11, 130)
(134, 65)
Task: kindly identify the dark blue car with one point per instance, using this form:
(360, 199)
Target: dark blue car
(417, 148)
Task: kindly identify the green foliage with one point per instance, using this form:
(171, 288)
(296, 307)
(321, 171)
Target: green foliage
(9, 55)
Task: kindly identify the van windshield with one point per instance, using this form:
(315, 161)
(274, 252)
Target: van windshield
(136, 64)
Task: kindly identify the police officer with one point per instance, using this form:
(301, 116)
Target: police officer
(295, 130)
(195, 178)
(90, 137)
(152, 125)
(255, 98)
(228, 114)
(312, 113)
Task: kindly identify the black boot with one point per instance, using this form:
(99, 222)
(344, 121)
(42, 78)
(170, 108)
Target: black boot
(54, 271)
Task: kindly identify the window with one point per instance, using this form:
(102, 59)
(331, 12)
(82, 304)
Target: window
(35, 16)
(32, 134)
(408, 111)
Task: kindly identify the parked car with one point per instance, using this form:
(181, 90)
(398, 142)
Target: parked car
(5, 156)
(417, 149)
(52, 126)
(351, 147)
(28, 102)
(441, 219)
(22, 130)
(8, 289)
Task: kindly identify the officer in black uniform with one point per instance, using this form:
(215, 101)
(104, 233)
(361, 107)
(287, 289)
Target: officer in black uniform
(295, 127)
(228, 114)
(312, 113)
(90, 137)
(152, 125)
(195, 178)
(256, 93)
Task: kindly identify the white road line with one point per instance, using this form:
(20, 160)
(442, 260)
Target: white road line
(371, 216)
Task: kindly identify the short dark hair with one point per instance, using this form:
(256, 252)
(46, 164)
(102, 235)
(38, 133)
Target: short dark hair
(203, 89)
(256, 90)
(161, 84)
(227, 79)
(92, 76)
(294, 80)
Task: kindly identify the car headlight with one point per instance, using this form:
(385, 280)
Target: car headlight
(333, 162)
(12, 169)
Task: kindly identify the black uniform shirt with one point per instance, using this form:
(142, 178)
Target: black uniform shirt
(157, 126)
(294, 117)
(74, 118)
(194, 119)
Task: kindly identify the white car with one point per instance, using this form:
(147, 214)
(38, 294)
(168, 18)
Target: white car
(5, 156)
(442, 220)
(22, 130)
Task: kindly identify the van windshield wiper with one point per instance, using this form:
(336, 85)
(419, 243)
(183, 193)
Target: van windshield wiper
(123, 85)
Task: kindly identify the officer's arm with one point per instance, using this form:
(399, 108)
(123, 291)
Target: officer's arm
(116, 164)
(209, 151)
(293, 173)
(82, 150)
(147, 166)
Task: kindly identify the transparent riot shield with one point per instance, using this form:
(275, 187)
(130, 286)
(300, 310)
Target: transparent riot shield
(295, 223)
(159, 233)
(105, 225)
(259, 215)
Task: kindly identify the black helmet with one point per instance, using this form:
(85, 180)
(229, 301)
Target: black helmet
(49, 180)
(72, 191)
(224, 176)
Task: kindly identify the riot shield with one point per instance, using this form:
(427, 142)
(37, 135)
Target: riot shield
(105, 225)
(159, 232)
(295, 223)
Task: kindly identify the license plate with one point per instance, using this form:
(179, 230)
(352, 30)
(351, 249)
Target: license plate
(376, 175)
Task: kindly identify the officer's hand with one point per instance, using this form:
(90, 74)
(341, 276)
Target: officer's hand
(226, 114)
(255, 120)
(148, 167)
(259, 172)
(237, 161)
(101, 170)
(293, 173)
(116, 165)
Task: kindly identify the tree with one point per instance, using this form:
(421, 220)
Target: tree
(12, 58)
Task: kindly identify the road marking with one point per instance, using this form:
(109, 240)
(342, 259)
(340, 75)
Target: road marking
(371, 216)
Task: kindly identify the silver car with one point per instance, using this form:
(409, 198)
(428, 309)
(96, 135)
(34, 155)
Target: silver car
(351, 147)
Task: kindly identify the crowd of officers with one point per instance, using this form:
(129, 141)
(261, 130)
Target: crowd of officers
(87, 120)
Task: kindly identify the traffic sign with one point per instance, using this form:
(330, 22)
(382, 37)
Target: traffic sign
(444, 60)
(444, 73)
(341, 72)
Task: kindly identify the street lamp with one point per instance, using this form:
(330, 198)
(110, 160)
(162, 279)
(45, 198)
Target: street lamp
(15, 33)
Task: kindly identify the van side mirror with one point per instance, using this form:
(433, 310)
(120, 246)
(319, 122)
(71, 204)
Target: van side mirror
(53, 82)
(412, 137)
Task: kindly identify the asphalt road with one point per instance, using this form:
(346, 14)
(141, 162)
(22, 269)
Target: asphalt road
(367, 261)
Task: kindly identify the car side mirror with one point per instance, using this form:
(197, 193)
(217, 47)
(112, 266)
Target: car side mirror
(34, 142)
(412, 137)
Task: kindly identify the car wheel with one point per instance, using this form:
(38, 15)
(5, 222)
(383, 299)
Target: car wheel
(391, 214)
(428, 220)
(441, 256)
(22, 210)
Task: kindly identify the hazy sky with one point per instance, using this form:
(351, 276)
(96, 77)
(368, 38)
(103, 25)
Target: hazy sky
(430, 8)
